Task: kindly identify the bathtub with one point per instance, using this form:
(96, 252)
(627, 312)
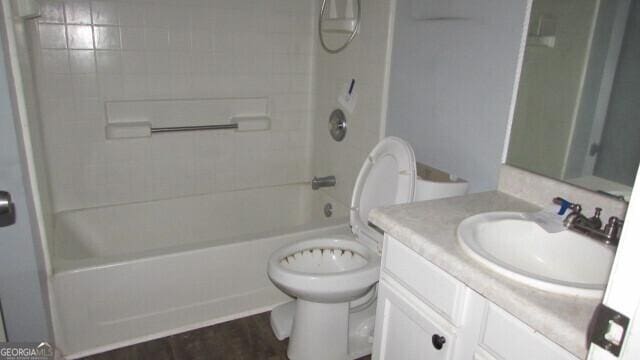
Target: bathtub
(129, 273)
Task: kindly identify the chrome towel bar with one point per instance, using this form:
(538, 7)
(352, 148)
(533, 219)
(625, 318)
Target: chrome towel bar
(193, 128)
(141, 129)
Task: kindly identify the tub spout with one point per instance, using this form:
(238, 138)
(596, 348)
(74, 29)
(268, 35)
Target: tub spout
(324, 181)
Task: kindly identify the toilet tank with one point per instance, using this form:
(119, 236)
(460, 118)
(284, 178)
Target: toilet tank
(432, 184)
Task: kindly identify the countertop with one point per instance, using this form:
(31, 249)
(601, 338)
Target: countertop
(429, 228)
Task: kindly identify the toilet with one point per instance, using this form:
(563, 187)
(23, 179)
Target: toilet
(333, 279)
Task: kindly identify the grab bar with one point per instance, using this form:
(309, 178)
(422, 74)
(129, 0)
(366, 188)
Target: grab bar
(140, 129)
(193, 128)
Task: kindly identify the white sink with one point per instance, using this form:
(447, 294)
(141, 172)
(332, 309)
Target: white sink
(514, 246)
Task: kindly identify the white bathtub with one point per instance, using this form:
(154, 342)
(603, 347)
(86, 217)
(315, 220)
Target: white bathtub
(129, 273)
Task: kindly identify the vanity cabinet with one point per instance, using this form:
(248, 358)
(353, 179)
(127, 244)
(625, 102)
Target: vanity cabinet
(409, 329)
(425, 313)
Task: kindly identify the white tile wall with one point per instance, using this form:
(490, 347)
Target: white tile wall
(365, 60)
(89, 52)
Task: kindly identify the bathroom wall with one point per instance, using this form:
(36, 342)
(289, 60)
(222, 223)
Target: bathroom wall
(551, 87)
(89, 52)
(366, 60)
(451, 85)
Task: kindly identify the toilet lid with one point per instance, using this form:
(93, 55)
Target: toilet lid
(387, 177)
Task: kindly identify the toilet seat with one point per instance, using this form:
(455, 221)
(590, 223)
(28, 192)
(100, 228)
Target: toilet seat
(387, 177)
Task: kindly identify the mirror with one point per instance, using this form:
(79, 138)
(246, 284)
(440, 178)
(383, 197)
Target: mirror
(577, 113)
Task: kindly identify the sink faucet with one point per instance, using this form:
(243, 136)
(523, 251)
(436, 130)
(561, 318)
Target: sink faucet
(592, 226)
(325, 181)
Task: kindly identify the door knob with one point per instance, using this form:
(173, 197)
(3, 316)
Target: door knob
(438, 341)
(7, 210)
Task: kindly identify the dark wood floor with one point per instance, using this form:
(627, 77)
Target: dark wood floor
(248, 338)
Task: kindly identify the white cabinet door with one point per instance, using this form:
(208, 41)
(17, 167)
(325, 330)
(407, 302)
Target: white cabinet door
(408, 329)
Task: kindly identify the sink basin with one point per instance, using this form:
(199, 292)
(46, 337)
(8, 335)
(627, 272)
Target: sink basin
(511, 244)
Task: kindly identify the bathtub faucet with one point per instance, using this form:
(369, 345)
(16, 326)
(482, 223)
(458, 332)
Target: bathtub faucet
(324, 181)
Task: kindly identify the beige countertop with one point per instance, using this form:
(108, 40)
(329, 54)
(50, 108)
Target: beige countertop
(429, 228)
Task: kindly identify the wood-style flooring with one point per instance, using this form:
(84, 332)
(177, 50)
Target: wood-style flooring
(248, 338)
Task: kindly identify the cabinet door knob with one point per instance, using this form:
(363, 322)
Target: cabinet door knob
(438, 341)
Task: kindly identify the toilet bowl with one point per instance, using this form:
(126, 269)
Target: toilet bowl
(327, 270)
(333, 279)
(324, 275)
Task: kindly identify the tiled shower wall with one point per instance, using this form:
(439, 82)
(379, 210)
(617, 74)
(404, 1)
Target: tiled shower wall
(366, 61)
(89, 52)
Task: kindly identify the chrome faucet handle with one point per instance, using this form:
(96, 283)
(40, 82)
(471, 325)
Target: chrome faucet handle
(616, 220)
(596, 223)
(613, 229)
(613, 225)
